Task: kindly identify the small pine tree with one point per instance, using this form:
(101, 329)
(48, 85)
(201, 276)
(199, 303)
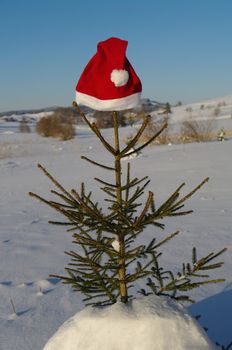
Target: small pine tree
(168, 108)
(111, 261)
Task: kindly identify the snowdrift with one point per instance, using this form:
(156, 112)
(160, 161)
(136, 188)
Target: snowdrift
(150, 323)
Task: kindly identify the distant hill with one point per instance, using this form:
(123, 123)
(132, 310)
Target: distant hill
(220, 107)
(28, 111)
(147, 104)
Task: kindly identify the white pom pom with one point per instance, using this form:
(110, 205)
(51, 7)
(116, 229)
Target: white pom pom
(119, 77)
(116, 245)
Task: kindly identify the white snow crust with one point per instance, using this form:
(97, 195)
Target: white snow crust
(151, 323)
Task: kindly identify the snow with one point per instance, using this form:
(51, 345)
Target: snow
(218, 111)
(27, 116)
(31, 250)
(204, 110)
(116, 245)
(151, 323)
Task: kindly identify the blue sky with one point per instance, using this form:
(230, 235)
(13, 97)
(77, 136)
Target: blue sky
(181, 49)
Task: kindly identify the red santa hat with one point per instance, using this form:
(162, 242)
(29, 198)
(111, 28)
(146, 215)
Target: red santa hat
(109, 82)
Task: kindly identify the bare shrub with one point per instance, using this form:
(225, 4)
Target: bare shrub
(221, 104)
(132, 117)
(105, 119)
(197, 130)
(65, 131)
(23, 126)
(68, 115)
(153, 127)
(44, 126)
(57, 126)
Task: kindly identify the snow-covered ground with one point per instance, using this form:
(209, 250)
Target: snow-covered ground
(220, 108)
(31, 250)
(218, 111)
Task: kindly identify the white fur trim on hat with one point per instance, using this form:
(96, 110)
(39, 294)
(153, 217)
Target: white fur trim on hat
(117, 104)
(119, 77)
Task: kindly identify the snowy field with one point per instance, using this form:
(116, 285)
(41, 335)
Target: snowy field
(31, 250)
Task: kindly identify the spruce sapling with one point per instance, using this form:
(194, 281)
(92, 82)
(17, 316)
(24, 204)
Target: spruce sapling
(109, 261)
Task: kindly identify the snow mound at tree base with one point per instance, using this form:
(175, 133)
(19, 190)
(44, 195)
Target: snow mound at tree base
(150, 323)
